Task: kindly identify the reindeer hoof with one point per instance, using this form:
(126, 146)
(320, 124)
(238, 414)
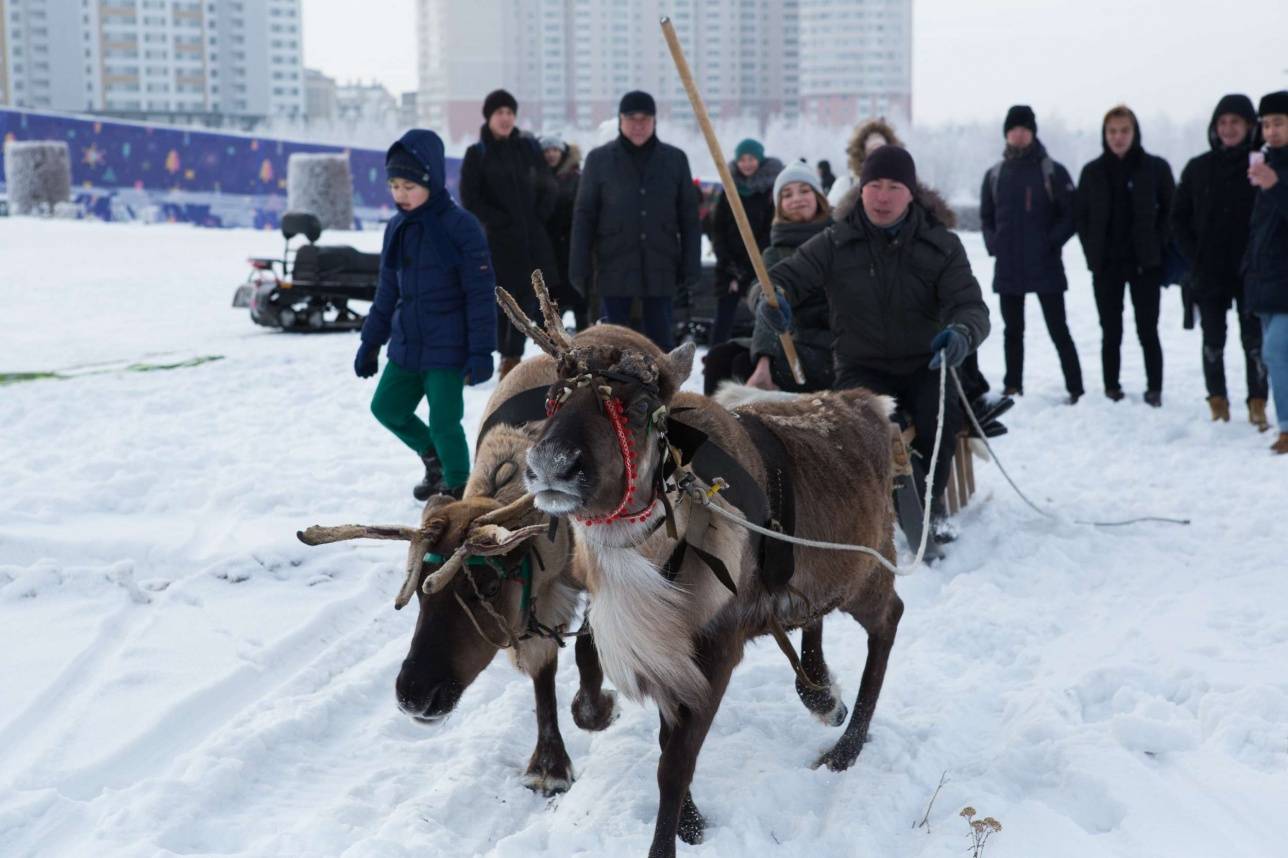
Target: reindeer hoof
(826, 704)
(594, 712)
(834, 717)
(693, 824)
(547, 783)
(840, 758)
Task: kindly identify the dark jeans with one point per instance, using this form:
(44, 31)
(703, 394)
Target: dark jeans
(917, 393)
(1057, 327)
(1146, 288)
(724, 362)
(726, 312)
(1212, 318)
(656, 318)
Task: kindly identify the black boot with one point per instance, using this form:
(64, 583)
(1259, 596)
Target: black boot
(942, 530)
(453, 492)
(433, 477)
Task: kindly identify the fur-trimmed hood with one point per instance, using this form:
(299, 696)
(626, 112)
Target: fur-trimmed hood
(854, 149)
(570, 162)
(926, 197)
(758, 182)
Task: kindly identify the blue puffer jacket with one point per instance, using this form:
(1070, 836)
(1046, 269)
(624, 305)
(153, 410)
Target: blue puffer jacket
(1265, 278)
(435, 305)
(1027, 222)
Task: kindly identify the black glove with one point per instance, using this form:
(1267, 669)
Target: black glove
(951, 345)
(478, 368)
(367, 361)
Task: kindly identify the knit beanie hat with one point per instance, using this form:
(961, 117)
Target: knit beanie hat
(636, 101)
(401, 164)
(1020, 116)
(890, 162)
(1274, 102)
(496, 99)
(750, 147)
(552, 141)
(797, 172)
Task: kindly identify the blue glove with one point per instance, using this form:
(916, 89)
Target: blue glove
(951, 345)
(367, 360)
(478, 368)
(778, 320)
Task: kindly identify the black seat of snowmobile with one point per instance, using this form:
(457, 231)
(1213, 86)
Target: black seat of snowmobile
(324, 262)
(301, 223)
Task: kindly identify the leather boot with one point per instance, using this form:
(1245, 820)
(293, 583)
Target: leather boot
(433, 477)
(1257, 414)
(1220, 408)
(1280, 446)
(507, 364)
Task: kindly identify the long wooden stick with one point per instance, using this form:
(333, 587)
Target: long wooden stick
(731, 192)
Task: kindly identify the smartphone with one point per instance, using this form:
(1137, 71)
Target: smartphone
(1256, 157)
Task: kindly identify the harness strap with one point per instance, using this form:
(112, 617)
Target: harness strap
(785, 644)
(525, 407)
(775, 559)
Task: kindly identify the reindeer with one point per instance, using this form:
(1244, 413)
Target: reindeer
(671, 623)
(517, 593)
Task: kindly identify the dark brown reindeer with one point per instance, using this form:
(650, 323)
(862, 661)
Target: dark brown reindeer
(666, 626)
(469, 612)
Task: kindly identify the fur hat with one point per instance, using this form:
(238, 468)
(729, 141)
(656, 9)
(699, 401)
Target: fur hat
(890, 162)
(1020, 116)
(797, 172)
(496, 99)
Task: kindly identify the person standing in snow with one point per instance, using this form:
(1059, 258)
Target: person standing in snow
(506, 184)
(1266, 262)
(635, 225)
(753, 176)
(436, 308)
(1026, 212)
(1210, 218)
(901, 301)
(826, 176)
(1124, 209)
(564, 160)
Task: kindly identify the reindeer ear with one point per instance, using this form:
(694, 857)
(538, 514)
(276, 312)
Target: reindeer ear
(681, 361)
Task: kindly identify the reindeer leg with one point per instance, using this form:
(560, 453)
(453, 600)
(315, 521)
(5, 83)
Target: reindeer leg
(826, 704)
(593, 708)
(677, 815)
(549, 770)
(881, 623)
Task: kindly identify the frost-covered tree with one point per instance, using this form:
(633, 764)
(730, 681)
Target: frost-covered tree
(38, 174)
(321, 184)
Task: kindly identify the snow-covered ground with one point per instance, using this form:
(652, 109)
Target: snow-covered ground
(182, 677)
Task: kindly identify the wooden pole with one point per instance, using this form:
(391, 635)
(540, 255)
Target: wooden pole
(731, 192)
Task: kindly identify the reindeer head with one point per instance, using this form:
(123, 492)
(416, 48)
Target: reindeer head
(464, 618)
(599, 453)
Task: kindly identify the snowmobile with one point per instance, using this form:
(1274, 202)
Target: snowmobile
(309, 290)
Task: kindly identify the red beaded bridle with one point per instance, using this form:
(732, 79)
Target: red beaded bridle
(615, 411)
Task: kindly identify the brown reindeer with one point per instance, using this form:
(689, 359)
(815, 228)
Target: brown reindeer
(666, 626)
(469, 612)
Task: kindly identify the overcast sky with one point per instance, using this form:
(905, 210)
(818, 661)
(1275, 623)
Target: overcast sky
(1072, 58)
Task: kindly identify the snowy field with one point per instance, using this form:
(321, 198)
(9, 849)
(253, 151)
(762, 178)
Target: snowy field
(182, 677)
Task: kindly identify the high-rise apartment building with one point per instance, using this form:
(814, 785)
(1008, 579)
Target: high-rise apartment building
(212, 61)
(569, 61)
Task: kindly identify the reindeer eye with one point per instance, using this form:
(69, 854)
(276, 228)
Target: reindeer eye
(490, 589)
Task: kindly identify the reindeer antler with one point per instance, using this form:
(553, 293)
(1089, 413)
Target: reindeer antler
(551, 339)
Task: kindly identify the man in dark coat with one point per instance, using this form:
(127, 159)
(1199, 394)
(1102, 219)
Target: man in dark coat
(901, 298)
(1026, 212)
(635, 226)
(1210, 218)
(1265, 279)
(505, 182)
(1124, 208)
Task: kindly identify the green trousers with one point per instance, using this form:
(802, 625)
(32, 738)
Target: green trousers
(399, 394)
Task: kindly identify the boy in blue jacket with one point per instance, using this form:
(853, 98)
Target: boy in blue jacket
(436, 308)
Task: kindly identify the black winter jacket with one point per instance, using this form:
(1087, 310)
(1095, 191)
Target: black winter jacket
(1265, 280)
(635, 231)
(508, 186)
(887, 297)
(1027, 222)
(1150, 187)
(567, 177)
(757, 194)
(1213, 208)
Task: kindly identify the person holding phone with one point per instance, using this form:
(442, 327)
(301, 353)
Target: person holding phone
(1266, 262)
